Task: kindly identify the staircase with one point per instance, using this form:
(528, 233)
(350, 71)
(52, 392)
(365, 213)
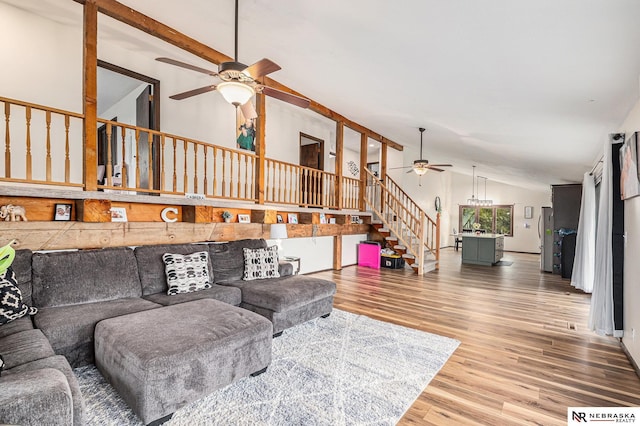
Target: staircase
(405, 227)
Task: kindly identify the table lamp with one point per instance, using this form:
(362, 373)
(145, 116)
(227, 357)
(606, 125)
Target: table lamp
(278, 233)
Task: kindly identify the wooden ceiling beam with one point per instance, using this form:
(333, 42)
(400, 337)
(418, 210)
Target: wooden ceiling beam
(135, 19)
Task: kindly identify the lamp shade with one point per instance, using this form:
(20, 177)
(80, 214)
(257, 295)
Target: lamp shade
(279, 231)
(235, 93)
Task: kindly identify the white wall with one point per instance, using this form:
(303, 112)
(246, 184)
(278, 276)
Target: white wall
(631, 294)
(350, 248)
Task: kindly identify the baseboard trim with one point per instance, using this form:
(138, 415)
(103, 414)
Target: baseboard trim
(630, 358)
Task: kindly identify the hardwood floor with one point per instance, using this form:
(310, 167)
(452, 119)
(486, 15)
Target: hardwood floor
(525, 354)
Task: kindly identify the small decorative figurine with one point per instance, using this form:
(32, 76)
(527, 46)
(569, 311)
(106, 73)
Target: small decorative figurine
(13, 213)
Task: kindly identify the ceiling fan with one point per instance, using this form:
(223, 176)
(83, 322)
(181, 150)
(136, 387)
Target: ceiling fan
(239, 81)
(421, 166)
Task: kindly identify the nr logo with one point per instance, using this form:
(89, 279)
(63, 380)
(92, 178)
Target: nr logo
(579, 416)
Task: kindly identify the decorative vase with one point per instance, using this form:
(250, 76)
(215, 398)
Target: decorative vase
(227, 220)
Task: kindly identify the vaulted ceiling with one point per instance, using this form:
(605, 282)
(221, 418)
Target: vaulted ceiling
(527, 90)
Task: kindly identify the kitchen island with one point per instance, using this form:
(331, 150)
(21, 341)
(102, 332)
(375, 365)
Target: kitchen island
(482, 249)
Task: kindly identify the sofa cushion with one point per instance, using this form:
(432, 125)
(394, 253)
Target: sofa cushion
(151, 266)
(12, 306)
(227, 259)
(21, 324)
(282, 294)
(230, 295)
(38, 397)
(70, 328)
(187, 273)
(84, 276)
(59, 363)
(22, 267)
(24, 347)
(260, 263)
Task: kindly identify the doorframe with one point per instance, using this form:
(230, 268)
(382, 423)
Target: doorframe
(155, 125)
(320, 142)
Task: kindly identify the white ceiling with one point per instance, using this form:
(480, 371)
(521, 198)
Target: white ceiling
(527, 90)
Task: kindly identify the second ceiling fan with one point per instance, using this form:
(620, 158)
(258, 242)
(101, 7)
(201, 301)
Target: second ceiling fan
(239, 81)
(422, 166)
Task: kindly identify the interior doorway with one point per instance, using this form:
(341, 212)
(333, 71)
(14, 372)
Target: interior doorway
(312, 156)
(134, 99)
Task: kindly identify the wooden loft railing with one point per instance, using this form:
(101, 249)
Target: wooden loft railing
(415, 230)
(53, 135)
(36, 134)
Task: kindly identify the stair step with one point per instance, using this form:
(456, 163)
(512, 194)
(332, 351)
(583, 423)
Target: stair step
(429, 266)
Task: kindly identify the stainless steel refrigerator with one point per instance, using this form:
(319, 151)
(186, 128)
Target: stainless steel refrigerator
(545, 231)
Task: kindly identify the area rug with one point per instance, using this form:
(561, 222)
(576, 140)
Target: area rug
(343, 370)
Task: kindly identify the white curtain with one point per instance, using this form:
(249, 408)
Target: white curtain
(584, 262)
(601, 313)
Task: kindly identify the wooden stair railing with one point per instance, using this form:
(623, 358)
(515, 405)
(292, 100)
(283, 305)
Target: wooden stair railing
(410, 224)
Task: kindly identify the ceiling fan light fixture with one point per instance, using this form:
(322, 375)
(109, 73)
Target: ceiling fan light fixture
(420, 170)
(235, 93)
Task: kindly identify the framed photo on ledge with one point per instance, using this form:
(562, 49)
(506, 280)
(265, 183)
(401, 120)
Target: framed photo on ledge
(244, 218)
(118, 214)
(62, 212)
(292, 217)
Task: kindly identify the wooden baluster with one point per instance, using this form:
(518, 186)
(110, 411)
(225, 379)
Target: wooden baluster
(48, 160)
(280, 182)
(254, 161)
(150, 141)
(108, 169)
(205, 181)
(215, 168)
(239, 175)
(195, 168)
(185, 177)
(137, 158)
(246, 177)
(224, 173)
(7, 140)
(123, 169)
(28, 156)
(273, 181)
(163, 167)
(231, 176)
(175, 166)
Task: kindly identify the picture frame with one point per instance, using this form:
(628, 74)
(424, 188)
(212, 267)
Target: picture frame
(279, 218)
(355, 219)
(630, 173)
(62, 212)
(118, 214)
(244, 218)
(292, 217)
(528, 212)
(332, 220)
(323, 218)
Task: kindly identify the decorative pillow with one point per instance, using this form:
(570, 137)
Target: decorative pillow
(260, 263)
(11, 305)
(186, 272)
(1, 364)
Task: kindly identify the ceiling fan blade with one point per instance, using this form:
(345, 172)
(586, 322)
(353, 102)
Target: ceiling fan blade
(261, 68)
(441, 165)
(248, 111)
(396, 168)
(185, 65)
(193, 92)
(436, 169)
(410, 171)
(286, 97)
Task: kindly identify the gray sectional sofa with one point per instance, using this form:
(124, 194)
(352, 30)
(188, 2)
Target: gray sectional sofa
(91, 302)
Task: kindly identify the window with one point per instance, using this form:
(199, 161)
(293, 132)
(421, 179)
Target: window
(493, 219)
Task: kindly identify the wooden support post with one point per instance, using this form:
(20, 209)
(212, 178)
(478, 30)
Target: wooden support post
(337, 252)
(261, 109)
(383, 161)
(363, 173)
(339, 191)
(424, 221)
(93, 210)
(90, 95)
(437, 240)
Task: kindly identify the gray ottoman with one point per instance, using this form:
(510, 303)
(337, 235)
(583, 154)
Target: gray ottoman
(161, 359)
